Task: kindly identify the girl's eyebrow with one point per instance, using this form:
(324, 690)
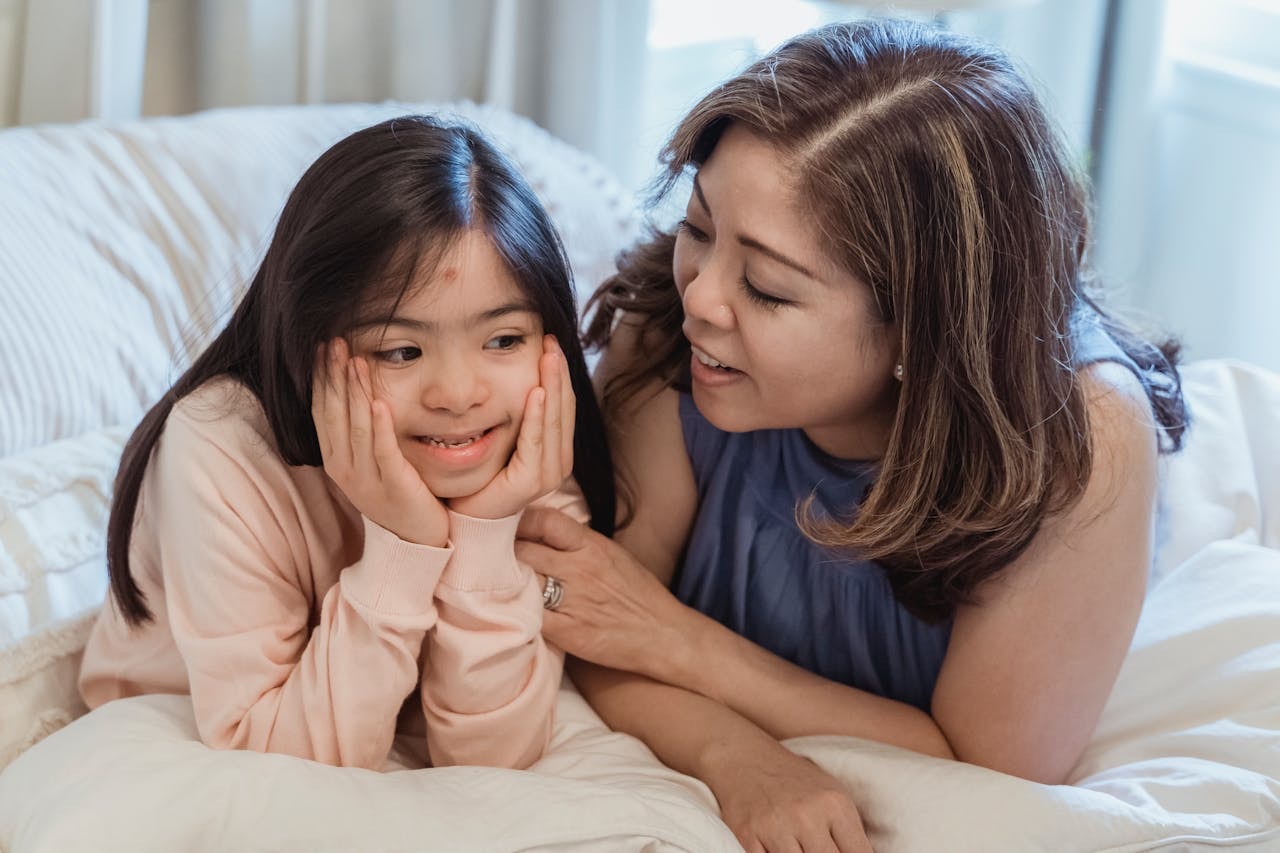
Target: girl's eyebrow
(430, 326)
(753, 243)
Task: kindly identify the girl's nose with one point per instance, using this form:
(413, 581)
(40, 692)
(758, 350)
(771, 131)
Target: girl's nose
(454, 386)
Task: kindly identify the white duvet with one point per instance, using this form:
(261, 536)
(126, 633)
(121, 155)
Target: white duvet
(1186, 757)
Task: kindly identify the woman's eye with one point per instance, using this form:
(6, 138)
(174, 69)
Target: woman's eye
(695, 233)
(766, 300)
(399, 355)
(505, 342)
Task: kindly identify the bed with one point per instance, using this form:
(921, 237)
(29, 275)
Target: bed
(123, 245)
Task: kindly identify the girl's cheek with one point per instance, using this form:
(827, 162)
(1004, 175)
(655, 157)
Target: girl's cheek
(394, 386)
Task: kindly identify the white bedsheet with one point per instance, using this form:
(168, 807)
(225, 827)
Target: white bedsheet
(1186, 757)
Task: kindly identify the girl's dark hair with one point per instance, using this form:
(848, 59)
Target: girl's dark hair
(935, 177)
(352, 232)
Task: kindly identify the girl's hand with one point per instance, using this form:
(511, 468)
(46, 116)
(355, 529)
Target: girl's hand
(543, 458)
(361, 454)
(614, 612)
(773, 799)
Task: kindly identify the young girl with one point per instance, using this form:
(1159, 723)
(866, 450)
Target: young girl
(893, 464)
(312, 531)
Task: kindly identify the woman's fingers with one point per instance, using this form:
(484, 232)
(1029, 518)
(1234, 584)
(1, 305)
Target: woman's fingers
(551, 528)
(849, 835)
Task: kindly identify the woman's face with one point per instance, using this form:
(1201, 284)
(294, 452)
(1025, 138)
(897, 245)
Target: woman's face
(781, 337)
(456, 364)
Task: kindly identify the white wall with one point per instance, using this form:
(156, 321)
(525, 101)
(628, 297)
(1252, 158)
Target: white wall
(1212, 268)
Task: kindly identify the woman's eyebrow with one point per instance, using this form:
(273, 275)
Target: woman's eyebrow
(753, 243)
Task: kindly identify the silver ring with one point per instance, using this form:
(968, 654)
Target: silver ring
(552, 593)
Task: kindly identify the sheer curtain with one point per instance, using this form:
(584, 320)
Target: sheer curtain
(1182, 141)
(570, 65)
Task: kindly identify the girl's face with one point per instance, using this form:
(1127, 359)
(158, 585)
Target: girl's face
(781, 336)
(456, 363)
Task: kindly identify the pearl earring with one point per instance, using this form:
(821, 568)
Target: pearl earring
(898, 372)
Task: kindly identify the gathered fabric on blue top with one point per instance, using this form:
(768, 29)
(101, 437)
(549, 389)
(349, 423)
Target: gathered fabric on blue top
(748, 566)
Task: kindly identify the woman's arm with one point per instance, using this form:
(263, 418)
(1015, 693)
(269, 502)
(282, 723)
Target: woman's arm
(770, 797)
(1031, 665)
(1078, 588)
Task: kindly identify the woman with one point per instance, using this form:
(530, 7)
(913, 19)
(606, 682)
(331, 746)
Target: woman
(895, 463)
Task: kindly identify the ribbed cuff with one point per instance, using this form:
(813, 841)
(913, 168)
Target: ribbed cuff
(484, 554)
(395, 577)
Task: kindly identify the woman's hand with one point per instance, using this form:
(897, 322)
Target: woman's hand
(614, 611)
(361, 454)
(543, 458)
(775, 800)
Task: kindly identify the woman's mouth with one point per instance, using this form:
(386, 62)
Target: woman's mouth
(703, 358)
(708, 372)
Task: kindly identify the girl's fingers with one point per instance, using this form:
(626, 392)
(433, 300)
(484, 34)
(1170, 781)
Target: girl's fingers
(386, 451)
(319, 395)
(337, 414)
(359, 413)
(568, 414)
(553, 413)
(529, 444)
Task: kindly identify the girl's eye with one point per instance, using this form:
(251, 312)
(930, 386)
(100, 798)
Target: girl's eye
(399, 355)
(695, 233)
(766, 300)
(504, 343)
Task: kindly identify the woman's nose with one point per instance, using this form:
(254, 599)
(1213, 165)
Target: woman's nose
(706, 297)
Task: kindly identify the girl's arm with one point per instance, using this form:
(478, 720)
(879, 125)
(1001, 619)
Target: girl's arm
(235, 544)
(490, 683)
(490, 680)
(1029, 666)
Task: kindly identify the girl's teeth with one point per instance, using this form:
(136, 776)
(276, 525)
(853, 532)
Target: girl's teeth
(451, 444)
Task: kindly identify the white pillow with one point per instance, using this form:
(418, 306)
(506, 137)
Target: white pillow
(53, 518)
(133, 775)
(1225, 482)
(126, 244)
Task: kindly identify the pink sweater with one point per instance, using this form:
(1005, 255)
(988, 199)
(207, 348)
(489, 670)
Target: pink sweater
(298, 626)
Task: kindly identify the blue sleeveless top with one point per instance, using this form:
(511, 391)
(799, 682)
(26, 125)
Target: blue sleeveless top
(748, 565)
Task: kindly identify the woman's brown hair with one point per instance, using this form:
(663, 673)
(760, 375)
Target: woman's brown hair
(935, 176)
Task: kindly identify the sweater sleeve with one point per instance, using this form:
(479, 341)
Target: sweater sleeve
(264, 673)
(490, 682)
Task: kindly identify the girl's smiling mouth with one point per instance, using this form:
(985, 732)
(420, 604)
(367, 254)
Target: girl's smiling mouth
(459, 449)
